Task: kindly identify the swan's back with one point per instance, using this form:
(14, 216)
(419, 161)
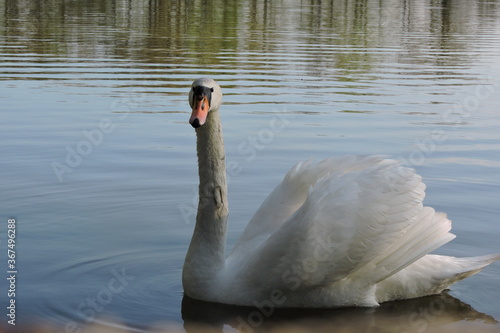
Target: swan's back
(337, 232)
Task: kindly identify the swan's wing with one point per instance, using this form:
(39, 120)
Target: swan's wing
(291, 193)
(362, 224)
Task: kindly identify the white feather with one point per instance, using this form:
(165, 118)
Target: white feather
(337, 232)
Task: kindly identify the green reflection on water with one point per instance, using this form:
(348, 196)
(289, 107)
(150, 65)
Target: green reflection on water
(337, 35)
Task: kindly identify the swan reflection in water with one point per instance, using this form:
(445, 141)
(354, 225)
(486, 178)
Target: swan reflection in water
(436, 313)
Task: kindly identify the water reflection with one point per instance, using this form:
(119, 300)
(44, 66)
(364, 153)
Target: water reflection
(436, 313)
(350, 71)
(212, 33)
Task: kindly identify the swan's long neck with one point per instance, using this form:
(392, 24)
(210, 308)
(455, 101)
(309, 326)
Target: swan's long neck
(205, 257)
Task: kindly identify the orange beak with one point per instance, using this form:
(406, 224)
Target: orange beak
(200, 112)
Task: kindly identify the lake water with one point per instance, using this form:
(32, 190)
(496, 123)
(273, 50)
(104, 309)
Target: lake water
(98, 162)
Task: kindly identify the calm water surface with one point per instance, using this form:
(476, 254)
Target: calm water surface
(98, 163)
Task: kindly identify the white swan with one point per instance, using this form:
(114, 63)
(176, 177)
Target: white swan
(349, 231)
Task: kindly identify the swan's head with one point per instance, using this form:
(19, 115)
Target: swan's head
(205, 96)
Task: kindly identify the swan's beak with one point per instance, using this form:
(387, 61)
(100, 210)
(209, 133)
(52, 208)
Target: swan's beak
(200, 111)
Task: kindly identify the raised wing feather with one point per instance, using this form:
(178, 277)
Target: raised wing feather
(362, 220)
(291, 193)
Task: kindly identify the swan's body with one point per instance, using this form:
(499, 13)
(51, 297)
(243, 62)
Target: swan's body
(349, 231)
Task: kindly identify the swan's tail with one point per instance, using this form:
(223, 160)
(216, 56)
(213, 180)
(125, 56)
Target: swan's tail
(430, 274)
(473, 265)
